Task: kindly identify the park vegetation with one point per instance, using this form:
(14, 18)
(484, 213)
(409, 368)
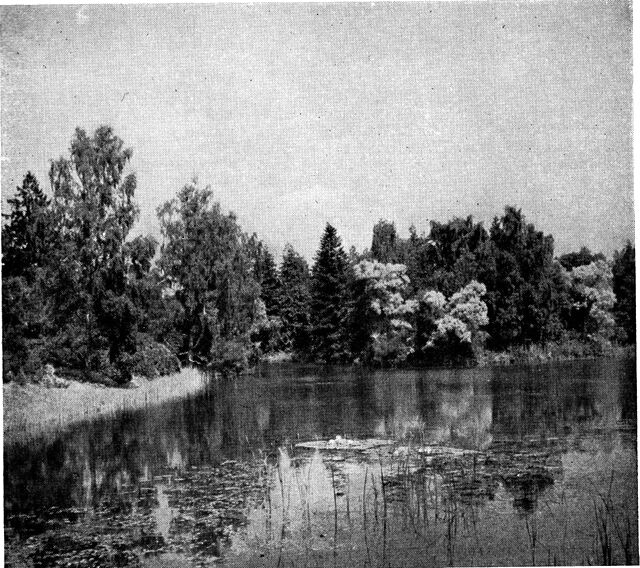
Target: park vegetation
(80, 296)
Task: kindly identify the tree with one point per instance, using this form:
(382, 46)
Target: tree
(385, 245)
(624, 288)
(456, 326)
(518, 271)
(269, 284)
(27, 236)
(27, 243)
(330, 301)
(93, 202)
(382, 314)
(452, 255)
(593, 300)
(294, 301)
(205, 258)
(267, 331)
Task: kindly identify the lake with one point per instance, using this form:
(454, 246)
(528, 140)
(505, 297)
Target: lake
(489, 466)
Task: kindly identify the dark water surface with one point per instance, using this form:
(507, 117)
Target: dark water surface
(495, 466)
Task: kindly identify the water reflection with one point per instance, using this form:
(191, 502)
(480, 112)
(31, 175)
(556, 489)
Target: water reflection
(586, 406)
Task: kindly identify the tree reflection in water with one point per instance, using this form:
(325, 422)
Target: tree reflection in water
(547, 437)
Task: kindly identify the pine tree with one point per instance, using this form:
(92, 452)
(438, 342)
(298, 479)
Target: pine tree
(330, 301)
(294, 300)
(28, 233)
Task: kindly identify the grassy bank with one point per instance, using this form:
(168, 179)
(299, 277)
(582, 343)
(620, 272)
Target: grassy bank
(561, 351)
(31, 409)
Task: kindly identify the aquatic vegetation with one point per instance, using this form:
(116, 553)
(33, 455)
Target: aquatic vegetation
(241, 475)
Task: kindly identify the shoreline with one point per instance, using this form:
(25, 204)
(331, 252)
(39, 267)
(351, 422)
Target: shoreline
(30, 410)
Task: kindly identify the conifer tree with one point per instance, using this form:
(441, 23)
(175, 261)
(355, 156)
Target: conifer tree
(330, 302)
(294, 300)
(28, 232)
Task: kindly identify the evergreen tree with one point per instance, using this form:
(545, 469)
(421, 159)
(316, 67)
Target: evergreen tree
(330, 301)
(27, 236)
(294, 301)
(267, 332)
(265, 272)
(624, 288)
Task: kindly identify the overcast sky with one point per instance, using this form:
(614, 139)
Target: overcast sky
(301, 114)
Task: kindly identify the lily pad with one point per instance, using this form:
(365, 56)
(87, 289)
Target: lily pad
(340, 443)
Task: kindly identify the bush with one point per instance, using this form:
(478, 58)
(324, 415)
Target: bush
(154, 359)
(231, 356)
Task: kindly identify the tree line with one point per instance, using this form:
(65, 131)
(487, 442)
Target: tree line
(82, 296)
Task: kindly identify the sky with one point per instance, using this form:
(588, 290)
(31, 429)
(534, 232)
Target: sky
(301, 114)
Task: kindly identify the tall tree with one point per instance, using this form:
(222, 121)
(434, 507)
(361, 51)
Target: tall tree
(270, 284)
(518, 271)
(267, 331)
(294, 300)
(28, 237)
(592, 300)
(382, 314)
(94, 203)
(28, 232)
(455, 326)
(330, 300)
(205, 257)
(624, 288)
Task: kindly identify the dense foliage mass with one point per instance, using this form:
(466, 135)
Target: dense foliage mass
(81, 295)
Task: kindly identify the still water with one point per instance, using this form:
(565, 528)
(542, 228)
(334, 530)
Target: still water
(493, 466)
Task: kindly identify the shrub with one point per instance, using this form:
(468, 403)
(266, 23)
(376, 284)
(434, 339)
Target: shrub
(153, 359)
(231, 356)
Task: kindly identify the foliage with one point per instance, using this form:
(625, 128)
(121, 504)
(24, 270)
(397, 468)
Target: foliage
(593, 300)
(294, 302)
(386, 247)
(383, 314)
(27, 236)
(153, 359)
(93, 202)
(81, 295)
(205, 258)
(520, 282)
(624, 288)
(267, 327)
(456, 325)
(330, 300)
(582, 257)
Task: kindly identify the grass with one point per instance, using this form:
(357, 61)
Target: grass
(30, 410)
